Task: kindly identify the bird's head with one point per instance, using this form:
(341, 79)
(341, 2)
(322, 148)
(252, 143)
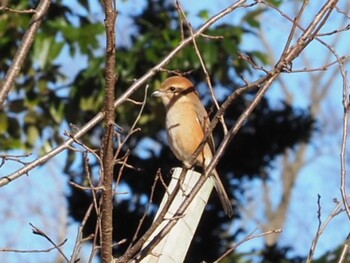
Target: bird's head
(175, 89)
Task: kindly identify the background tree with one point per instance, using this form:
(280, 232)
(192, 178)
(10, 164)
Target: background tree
(43, 105)
(315, 90)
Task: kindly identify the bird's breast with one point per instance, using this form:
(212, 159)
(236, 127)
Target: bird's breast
(184, 131)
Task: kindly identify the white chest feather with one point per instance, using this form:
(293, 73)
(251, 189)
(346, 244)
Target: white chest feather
(181, 129)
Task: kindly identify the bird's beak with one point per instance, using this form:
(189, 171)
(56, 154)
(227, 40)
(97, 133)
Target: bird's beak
(157, 93)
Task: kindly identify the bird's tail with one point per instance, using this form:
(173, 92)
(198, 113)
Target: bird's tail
(225, 201)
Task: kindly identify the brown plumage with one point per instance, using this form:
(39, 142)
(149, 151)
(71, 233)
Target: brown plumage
(186, 124)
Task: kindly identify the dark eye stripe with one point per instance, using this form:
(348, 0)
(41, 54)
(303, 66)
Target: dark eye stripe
(187, 91)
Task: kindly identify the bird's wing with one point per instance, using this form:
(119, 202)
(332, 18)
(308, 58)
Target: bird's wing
(204, 122)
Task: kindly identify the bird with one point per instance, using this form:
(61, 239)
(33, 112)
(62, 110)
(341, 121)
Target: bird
(186, 123)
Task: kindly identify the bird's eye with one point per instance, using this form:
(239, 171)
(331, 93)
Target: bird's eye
(172, 88)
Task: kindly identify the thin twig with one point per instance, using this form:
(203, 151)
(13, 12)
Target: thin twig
(204, 68)
(247, 238)
(79, 238)
(294, 27)
(85, 187)
(14, 158)
(39, 232)
(133, 129)
(344, 253)
(120, 172)
(16, 11)
(337, 210)
(318, 233)
(281, 66)
(322, 68)
(337, 31)
(12, 250)
(158, 175)
(346, 107)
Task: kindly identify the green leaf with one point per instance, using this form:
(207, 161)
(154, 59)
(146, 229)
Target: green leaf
(3, 123)
(57, 112)
(276, 3)
(42, 46)
(261, 56)
(14, 128)
(55, 49)
(46, 49)
(11, 143)
(32, 134)
(87, 103)
(204, 14)
(17, 106)
(253, 18)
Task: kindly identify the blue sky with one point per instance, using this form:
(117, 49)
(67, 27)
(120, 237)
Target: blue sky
(29, 195)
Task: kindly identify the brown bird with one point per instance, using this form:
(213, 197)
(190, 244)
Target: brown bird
(186, 125)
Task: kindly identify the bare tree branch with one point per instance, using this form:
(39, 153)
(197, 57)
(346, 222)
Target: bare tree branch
(6, 250)
(318, 233)
(23, 50)
(247, 238)
(343, 256)
(346, 106)
(294, 161)
(39, 232)
(201, 60)
(107, 142)
(16, 11)
(321, 227)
